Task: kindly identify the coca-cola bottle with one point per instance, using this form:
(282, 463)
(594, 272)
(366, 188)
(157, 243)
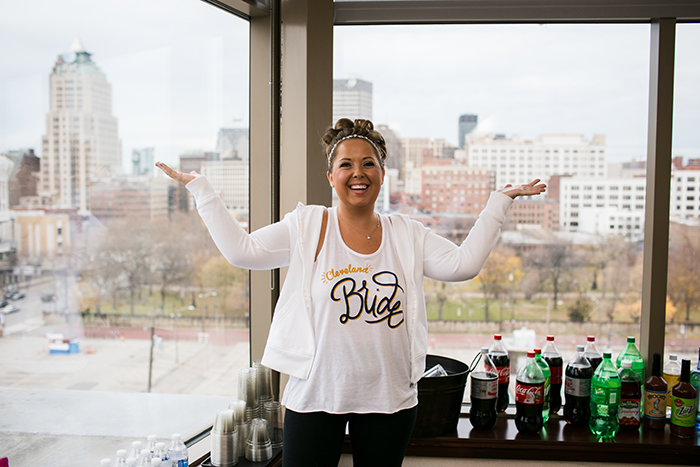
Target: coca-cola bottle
(501, 360)
(484, 393)
(592, 354)
(579, 373)
(529, 397)
(551, 355)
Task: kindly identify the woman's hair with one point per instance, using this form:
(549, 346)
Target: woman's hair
(346, 128)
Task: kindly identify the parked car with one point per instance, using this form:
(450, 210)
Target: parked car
(48, 297)
(4, 303)
(10, 294)
(9, 309)
(17, 296)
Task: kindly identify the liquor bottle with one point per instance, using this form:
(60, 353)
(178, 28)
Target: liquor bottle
(654, 398)
(684, 408)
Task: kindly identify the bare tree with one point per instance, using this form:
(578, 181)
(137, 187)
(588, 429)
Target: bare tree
(555, 263)
(684, 251)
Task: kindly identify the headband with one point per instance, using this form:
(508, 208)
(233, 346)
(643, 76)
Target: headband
(374, 145)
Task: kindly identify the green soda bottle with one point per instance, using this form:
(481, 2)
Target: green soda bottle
(632, 354)
(544, 366)
(605, 399)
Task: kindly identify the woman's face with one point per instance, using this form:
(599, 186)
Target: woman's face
(356, 173)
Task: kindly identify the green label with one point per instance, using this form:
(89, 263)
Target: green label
(605, 396)
(683, 412)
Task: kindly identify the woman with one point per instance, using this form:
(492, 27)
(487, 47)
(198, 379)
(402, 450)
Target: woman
(350, 326)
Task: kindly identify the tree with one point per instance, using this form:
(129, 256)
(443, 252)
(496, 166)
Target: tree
(580, 310)
(555, 263)
(598, 255)
(683, 284)
(500, 270)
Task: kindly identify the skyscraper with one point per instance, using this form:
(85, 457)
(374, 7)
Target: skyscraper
(467, 123)
(352, 98)
(81, 140)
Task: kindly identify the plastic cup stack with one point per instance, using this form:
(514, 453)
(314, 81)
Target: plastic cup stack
(238, 407)
(263, 383)
(258, 446)
(224, 440)
(275, 423)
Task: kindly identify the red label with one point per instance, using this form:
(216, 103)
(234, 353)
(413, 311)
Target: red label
(503, 373)
(556, 375)
(526, 394)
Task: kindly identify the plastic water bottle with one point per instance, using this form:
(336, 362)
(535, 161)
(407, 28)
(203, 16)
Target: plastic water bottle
(544, 366)
(632, 354)
(130, 461)
(605, 399)
(156, 462)
(161, 453)
(120, 461)
(177, 452)
(135, 450)
(151, 444)
(106, 462)
(144, 458)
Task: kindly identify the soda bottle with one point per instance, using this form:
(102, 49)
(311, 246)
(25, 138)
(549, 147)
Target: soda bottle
(547, 383)
(551, 355)
(177, 452)
(605, 399)
(592, 354)
(630, 397)
(684, 408)
(632, 354)
(499, 357)
(695, 381)
(484, 393)
(579, 372)
(672, 374)
(529, 397)
(654, 402)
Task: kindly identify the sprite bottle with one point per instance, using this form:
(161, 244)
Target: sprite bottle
(632, 354)
(605, 399)
(544, 366)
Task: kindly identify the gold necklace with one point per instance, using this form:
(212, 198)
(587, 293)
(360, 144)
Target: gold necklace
(353, 228)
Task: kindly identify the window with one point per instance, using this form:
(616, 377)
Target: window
(174, 89)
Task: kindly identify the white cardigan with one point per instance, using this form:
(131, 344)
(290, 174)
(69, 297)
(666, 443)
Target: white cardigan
(291, 344)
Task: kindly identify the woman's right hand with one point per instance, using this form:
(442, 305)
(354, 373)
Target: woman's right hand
(175, 175)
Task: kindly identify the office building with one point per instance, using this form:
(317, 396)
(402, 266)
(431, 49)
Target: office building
(516, 160)
(232, 143)
(142, 162)
(352, 98)
(229, 178)
(81, 140)
(448, 186)
(131, 196)
(466, 125)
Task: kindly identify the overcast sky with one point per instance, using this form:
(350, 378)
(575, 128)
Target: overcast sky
(179, 72)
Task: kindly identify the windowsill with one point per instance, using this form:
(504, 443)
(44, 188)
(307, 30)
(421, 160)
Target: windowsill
(558, 442)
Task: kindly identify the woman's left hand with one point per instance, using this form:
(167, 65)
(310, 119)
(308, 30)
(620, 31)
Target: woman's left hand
(532, 188)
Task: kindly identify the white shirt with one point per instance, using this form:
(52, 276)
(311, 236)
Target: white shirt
(362, 362)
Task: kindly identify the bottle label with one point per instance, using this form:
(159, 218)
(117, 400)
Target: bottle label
(526, 394)
(484, 388)
(556, 374)
(629, 411)
(578, 387)
(503, 373)
(683, 411)
(654, 404)
(604, 396)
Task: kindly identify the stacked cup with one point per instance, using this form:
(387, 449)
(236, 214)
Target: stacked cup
(272, 412)
(258, 446)
(238, 407)
(224, 440)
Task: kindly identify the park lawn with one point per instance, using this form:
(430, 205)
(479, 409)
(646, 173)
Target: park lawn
(473, 310)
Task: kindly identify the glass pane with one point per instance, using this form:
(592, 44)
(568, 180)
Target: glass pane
(468, 109)
(683, 304)
(113, 287)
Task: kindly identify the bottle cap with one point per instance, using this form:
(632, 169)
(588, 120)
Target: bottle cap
(136, 444)
(484, 350)
(152, 437)
(497, 337)
(155, 461)
(130, 461)
(590, 338)
(176, 436)
(160, 446)
(630, 339)
(626, 364)
(550, 338)
(144, 452)
(607, 355)
(121, 453)
(106, 462)
(673, 357)
(580, 348)
(537, 351)
(530, 354)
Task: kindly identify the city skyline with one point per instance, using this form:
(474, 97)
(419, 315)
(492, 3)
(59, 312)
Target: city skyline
(169, 90)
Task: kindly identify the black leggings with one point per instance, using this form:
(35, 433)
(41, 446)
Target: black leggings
(315, 439)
